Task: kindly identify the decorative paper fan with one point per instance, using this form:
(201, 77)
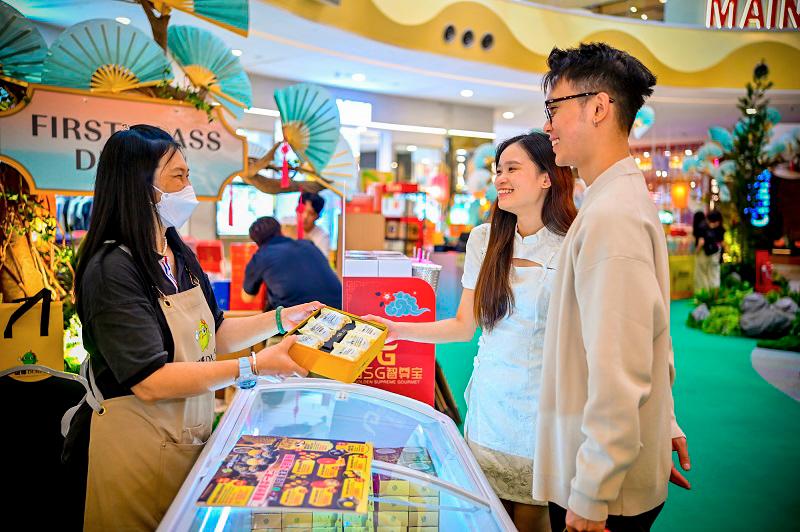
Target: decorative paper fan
(233, 15)
(22, 48)
(209, 64)
(256, 151)
(710, 150)
(104, 56)
(644, 120)
(721, 136)
(483, 156)
(310, 121)
(343, 168)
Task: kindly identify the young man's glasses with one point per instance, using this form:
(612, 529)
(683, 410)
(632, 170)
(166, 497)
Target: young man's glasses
(548, 103)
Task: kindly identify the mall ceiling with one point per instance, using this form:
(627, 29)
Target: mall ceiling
(283, 45)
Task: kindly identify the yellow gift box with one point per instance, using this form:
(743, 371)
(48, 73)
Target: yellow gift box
(332, 366)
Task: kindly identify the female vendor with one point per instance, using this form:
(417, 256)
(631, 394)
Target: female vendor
(152, 328)
(508, 275)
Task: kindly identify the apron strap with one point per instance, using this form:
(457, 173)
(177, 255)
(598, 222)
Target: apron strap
(93, 397)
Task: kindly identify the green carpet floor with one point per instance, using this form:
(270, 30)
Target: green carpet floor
(744, 435)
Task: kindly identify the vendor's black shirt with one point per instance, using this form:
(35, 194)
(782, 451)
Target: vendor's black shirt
(124, 329)
(712, 239)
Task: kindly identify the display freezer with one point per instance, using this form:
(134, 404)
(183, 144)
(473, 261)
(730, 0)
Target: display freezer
(456, 497)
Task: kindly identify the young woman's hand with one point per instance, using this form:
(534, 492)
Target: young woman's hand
(292, 316)
(393, 327)
(275, 360)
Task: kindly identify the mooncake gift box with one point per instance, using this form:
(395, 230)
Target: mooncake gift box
(336, 344)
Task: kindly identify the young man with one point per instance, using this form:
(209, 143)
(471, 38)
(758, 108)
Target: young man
(313, 208)
(606, 426)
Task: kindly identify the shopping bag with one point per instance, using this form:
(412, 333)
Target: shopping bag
(33, 333)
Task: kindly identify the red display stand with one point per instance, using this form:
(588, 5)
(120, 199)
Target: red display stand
(763, 272)
(240, 256)
(405, 368)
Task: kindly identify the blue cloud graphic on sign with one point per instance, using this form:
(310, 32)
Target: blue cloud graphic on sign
(404, 305)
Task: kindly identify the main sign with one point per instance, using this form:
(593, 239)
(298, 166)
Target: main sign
(55, 139)
(754, 14)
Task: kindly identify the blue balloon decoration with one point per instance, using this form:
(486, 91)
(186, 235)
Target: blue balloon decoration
(773, 115)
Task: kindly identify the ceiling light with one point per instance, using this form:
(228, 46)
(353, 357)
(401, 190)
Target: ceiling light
(473, 134)
(688, 151)
(751, 111)
(692, 184)
(123, 20)
(646, 154)
(358, 77)
(634, 9)
(236, 52)
(667, 153)
(261, 111)
(411, 148)
(409, 128)
(644, 16)
(461, 151)
(461, 158)
(638, 160)
(467, 93)
(394, 164)
(508, 115)
(663, 1)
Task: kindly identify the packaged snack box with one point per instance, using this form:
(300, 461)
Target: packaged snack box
(336, 344)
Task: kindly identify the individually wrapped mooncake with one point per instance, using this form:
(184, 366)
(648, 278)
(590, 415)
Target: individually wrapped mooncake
(334, 320)
(310, 340)
(367, 330)
(318, 329)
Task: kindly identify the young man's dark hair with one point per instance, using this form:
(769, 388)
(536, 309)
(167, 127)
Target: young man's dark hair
(599, 67)
(264, 229)
(714, 217)
(317, 202)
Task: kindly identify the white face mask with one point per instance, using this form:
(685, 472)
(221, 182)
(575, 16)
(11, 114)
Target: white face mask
(175, 208)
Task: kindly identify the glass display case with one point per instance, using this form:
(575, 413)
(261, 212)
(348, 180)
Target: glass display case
(451, 494)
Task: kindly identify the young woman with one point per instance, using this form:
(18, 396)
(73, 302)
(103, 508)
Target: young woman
(152, 328)
(508, 271)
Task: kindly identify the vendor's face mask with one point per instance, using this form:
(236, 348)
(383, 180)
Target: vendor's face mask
(175, 208)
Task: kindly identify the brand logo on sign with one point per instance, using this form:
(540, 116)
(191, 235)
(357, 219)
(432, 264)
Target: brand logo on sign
(753, 14)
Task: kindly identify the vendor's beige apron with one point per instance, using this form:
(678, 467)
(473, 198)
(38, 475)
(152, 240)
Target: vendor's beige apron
(140, 453)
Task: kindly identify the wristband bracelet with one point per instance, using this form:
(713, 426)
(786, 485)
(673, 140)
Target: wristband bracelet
(278, 322)
(255, 364)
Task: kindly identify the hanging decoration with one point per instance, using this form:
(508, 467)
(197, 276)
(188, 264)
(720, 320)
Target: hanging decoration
(310, 121)
(233, 15)
(343, 168)
(479, 169)
(210, 65)
(22, 47)
(644, 120)
(104, 56)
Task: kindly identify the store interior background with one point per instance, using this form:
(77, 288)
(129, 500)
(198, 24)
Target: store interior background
(418, 115)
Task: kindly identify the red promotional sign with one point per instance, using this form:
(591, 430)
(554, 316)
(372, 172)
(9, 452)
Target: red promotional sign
(405, 368)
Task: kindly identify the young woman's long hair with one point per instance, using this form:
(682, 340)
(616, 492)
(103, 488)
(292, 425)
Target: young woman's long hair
(124, 199)
(494, 298)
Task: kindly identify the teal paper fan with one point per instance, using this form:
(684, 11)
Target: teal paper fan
(104, 56)
(233, 15)
(483, 156)
(209, 63)
(342, 168)
(22, 48)
(310, 121)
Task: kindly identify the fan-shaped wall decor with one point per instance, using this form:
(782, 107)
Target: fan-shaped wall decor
(310, 121)
(483, 156)
(343, 168)
(104, 56)
(233, 15)
(22, 47)
(209, 63)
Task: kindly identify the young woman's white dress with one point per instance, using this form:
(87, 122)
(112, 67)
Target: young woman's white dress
(503, 393)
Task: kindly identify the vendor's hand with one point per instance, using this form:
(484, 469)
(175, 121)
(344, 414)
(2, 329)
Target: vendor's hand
(576, 523)
(392, 326)
(679, 445)
(275, 360)
(292, 316)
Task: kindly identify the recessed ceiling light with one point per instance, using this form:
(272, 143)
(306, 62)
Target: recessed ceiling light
(663, 1)
(123, 20)
(359, 77)
(644, 16)
(688, 151)
(646, 154)
(461, 158)
(467, 93)
(411, 147)
(667, 153)
(634, 9)
(236, 52)
(508, 115)
(751, 111)
(461, 151)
